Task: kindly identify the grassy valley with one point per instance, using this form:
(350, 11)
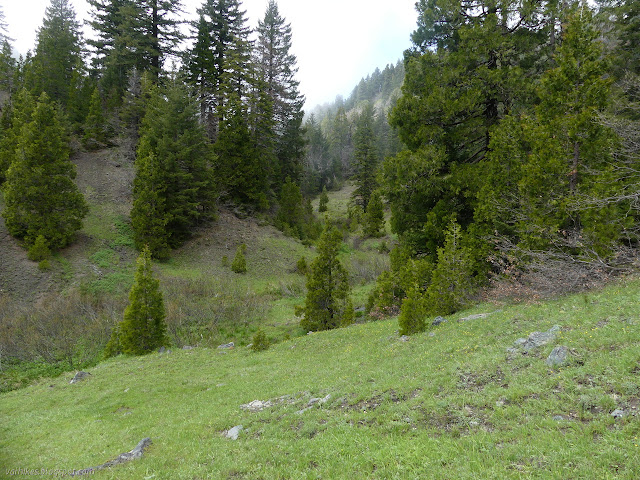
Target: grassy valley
(452, 402)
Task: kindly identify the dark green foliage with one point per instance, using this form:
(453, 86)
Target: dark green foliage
(365, 157)
(413, 313)
(8, 66)
(324, 200)
(374, 216)
(57, 66)
(143, 328)
(95, 126)
(328, 304)
(452, 281)
(260, 341)
(392, 287)
(173, 188)
(240, 167)
(39, 250)
(39, 193)
(302, 267)
(239, 264)
(276, 67)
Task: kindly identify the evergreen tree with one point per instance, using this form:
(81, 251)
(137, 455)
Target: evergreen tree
(374, 216)
(412, 318)
(95, 128)
(173, 189)
(57, 67)
(218, 62)
(365, 156)
(291, 214)
(8, 66)
(143, 328)
(324, 200)
(341, 143)
(3, 28)
(239, 264)
(472, 63)
(328, 304)
(277, 67)
(39, 193)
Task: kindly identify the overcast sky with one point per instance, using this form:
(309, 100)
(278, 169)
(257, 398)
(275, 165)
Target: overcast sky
(337, 42)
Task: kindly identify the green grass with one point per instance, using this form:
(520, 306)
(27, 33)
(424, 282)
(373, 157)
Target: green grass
(449, 403)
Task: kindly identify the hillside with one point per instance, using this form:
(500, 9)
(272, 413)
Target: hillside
(453, 402)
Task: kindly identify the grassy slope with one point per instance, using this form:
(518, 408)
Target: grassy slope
(448, 405)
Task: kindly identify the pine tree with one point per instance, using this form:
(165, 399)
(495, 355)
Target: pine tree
(3, 28)
(323, 201)
(239, 264)
(412, 318)
(365, 156)
(95, 128)
(374, 216)
(173, 189)
(143, 328)
(219, 61)
(39, 193)
(328, 304)
(277, 68)
(58, 66)
(8, 66)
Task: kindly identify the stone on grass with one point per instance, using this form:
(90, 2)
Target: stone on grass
(537, 339)
(233, 433)
(404, 338)
(618, 413)
(227, 345)
(438, 320)
(134, 454)
(79, 377)
(558, 356)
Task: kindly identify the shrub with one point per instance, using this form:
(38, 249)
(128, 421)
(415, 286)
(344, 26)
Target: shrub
(239, 264)
(301, 266)
(412, 317)
(260, 342)
(39, 251)
(324, 200)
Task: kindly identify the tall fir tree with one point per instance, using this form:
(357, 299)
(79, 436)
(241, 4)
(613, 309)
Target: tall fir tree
(328, 303)
(277, 69)
(173, 189)
(365, 156)
(57, 67)
(39, 193)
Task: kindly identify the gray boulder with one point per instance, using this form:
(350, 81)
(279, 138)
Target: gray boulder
(558, 356)
(227, 346)
(233, 433)
(537, 339)
(438, 320)
(79, 377)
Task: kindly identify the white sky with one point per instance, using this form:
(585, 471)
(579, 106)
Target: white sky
(337, 42)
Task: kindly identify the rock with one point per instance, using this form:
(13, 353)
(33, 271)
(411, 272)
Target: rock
(233, 433)
(319, 401)
(134, 454)
(256, 405)
(162, 349)
(618, 413)
(477, 316)
(404, 338)
(432, 334)
(558, 418)
(187, 347)
(79, 377)
(537, 339)
(558, 356)
(227, 345)
(438, 320)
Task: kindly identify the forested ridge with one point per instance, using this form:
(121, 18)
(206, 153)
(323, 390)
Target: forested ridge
(504, 145)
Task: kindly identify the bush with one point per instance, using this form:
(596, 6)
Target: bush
(301, 266)
(413, 314)
(44, 265)
(39, 251)
(239, 264)
(452, 281)
(374, 216)
(324, 200)
(260, 342)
